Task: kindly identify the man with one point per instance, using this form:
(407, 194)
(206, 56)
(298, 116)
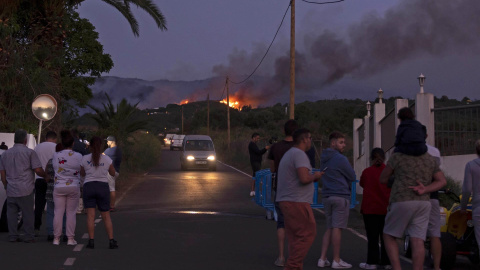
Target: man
(78, 145)
(45, 151)
(295, 194)
(409, 206)
(336, 185)
(18, 166)
(433, 231)
(114, 152)
(275, 155)
(255, 158)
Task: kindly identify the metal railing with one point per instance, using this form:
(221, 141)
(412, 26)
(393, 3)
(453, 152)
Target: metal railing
(263, 191)
(457, 129)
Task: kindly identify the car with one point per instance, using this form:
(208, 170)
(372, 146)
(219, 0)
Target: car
(198, 152)
(177, 142)
(167, 139)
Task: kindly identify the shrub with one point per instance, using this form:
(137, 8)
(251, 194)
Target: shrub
(140, 153)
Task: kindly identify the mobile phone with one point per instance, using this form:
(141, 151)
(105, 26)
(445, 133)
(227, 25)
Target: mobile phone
(325, 169)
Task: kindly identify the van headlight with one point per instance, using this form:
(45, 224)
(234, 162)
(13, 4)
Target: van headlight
(211, 158)
(190, 158)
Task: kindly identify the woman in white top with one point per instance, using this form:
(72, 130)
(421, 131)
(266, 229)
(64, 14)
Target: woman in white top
(96, 192)
(66, 191)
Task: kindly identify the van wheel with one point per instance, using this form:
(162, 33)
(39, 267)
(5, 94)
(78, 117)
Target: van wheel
(407, 247)
(3, 219)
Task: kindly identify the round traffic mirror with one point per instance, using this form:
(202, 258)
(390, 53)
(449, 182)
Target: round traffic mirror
(44, 107)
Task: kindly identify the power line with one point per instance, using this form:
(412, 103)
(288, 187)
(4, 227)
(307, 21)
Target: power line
(267, 49)
(323, 3)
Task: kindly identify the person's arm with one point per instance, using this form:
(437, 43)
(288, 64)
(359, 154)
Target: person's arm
(47, 176)
(111, 170)
(386, 173)
(82, 171)
(40, 172)
(307, 178)
(347, 170)
(438, 182)
(254, 148)
(272, 166)
(467, 187)
(4, 178)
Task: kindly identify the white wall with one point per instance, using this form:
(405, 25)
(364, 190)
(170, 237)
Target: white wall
(454, 166)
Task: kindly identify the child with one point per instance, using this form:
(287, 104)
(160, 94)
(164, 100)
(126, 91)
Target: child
(411, 134)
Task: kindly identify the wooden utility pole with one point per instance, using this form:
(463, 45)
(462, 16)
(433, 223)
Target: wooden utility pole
(292, 60)
(208, 114)
(182, 119)
(228, 116)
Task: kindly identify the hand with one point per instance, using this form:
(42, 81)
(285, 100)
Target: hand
(318, 175)
(419, 189)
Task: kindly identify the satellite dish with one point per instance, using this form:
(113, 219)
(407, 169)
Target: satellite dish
(44, 107)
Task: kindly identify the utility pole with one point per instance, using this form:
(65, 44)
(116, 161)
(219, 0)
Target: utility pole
(292, 60)
(182, 119)
(228, 116)
(208, 114)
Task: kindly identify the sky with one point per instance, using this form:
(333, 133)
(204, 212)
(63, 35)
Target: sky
(346, 50)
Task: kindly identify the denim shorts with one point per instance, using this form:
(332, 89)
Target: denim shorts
(96, 194)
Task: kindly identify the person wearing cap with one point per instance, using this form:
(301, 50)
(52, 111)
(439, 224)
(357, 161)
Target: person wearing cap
(114, 152)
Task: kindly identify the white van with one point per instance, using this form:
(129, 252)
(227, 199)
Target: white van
(198, 152)
(177, 142)
(167, 139)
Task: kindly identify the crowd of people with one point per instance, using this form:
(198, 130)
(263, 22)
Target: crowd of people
(399, 198)
(66, 173)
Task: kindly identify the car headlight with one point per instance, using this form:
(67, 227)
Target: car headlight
(211, 158)
(190, 158)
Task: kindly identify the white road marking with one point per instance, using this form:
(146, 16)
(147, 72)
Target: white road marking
(98, 220)
(85, 236)
(78, 247)
(235, 169)
(69, 261)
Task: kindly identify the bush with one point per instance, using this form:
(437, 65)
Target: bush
(140, 153)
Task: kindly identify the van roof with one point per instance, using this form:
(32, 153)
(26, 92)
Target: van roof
(197, 137)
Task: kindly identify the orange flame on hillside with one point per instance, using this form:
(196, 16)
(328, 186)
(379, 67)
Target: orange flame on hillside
(185, 101)
(233, 103)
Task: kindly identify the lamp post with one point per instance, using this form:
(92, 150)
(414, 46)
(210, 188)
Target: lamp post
(44, 107)
(380, 95)
(369, 106)
(421, 81)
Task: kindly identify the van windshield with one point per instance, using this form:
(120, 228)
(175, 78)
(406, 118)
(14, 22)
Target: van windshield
(198, 145)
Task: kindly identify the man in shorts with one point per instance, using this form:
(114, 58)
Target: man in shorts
(409, 206)
(336, 185)
(294, 195)
(116, 155)
(433, 231)
(275, 155)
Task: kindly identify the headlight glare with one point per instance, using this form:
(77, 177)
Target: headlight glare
(211, 158)
(190, 158)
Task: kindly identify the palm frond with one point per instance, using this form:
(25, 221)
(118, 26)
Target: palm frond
(124, 8)
(152, 10)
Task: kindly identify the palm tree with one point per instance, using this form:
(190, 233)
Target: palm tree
(123, 6)
(118, 120)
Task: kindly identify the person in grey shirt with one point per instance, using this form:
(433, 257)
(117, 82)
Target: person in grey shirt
(294, 195)
(18, 166)
(471, 187)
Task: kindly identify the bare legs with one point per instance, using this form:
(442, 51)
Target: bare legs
(418, 252)
(332, 236)
(91, 223)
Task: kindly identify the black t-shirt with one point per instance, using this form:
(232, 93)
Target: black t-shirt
(278, 150)
(255, 153)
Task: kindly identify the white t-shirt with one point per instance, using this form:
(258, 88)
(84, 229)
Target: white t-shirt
(66, 164)
(96, 173)
(45, 152)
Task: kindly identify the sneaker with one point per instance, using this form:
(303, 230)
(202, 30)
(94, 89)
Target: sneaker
(113, 244)
(252, 193)
(340, 265)
(56, 241)
(367, 266)
(91, 244)
(279, 262)
(71, 242)
(322, 263)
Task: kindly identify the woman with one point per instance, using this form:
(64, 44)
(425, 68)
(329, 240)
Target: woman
(374, 209)
(96, 192)
(66, 191)
(471, 187)
(49, 176)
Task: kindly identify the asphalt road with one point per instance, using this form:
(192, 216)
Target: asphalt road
(183, 220)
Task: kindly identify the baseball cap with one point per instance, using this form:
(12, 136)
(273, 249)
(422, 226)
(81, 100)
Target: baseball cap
(110, 138)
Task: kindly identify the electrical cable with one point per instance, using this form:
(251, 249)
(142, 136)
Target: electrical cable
(323, 3)
(267, 49)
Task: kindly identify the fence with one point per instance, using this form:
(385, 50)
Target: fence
(457, 129)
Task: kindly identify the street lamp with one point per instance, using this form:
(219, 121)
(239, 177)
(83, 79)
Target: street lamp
(44, 107)
(421, 81)
(380, 95)
(369, 106)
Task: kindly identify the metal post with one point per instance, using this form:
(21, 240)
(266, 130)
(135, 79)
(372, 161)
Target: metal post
(228, 117)
(39, 131)
(208, 114)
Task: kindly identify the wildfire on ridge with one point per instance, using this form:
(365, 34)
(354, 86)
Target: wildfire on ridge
(184, 101)
(233, 103)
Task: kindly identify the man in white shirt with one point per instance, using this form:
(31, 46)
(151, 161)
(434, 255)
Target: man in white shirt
(45, 151)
